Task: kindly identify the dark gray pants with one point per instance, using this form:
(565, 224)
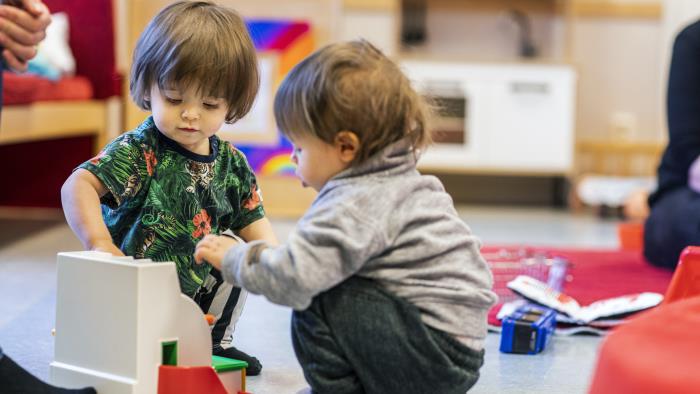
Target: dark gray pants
(359, 338)
(673, 224)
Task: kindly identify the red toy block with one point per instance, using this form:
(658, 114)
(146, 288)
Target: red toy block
(188, 380)
(686, 279)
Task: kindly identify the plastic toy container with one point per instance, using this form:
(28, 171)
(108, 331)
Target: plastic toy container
(528, 329)
(507, 263)
(631, 235)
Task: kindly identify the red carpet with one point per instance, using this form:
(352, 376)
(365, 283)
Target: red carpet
(596, 274)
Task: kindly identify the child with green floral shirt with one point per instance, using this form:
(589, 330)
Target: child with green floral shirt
(157, 190)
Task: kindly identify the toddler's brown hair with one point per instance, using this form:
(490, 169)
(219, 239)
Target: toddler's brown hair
(352, 86)
(201, 44)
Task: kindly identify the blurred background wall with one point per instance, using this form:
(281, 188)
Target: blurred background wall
(536, 92)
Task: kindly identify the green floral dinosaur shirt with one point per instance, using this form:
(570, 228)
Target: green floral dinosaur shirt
(163, 199)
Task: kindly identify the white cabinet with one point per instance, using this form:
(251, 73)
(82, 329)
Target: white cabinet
(505, 118)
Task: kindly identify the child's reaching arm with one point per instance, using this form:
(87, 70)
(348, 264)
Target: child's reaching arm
(212, 248)
(330, 247)
(80, 197)
(260, 229)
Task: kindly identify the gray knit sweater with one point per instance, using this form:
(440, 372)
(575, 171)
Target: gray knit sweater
(385, 221)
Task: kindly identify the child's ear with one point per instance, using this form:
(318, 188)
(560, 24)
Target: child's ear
(347, 144)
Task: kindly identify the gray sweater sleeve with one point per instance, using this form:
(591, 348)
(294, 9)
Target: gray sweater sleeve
(329, 245)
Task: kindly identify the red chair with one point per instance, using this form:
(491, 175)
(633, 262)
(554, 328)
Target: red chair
(48, 130)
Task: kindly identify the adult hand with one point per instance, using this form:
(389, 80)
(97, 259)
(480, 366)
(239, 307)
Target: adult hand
(21, 30)
(636, 206)
(212, 249)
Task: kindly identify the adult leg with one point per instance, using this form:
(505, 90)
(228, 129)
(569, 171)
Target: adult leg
(673, 224)
(357, 337)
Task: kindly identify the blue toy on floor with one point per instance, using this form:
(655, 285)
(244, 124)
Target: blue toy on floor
(528, 329)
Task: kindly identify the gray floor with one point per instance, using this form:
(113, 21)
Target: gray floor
(27, 290)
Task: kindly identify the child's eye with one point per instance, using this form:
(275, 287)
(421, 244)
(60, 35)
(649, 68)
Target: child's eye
(173, 100)
(211, 106)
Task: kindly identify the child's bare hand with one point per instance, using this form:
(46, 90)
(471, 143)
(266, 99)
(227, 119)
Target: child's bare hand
(212, 250)
(107, 247)
(636, 206)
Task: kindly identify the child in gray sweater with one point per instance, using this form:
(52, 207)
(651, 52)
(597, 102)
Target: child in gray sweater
(389, 290)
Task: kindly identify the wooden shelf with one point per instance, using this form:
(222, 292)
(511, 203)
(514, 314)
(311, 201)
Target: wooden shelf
(587, 8)
(547, 6)
(53, 119)
(491, 171)
(422, 54)
(606, 146)
(607, 8)
(622, 158)
(372, 5)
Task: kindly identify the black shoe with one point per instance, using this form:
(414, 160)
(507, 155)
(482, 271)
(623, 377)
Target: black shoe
(15, 379)
(254, 366)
